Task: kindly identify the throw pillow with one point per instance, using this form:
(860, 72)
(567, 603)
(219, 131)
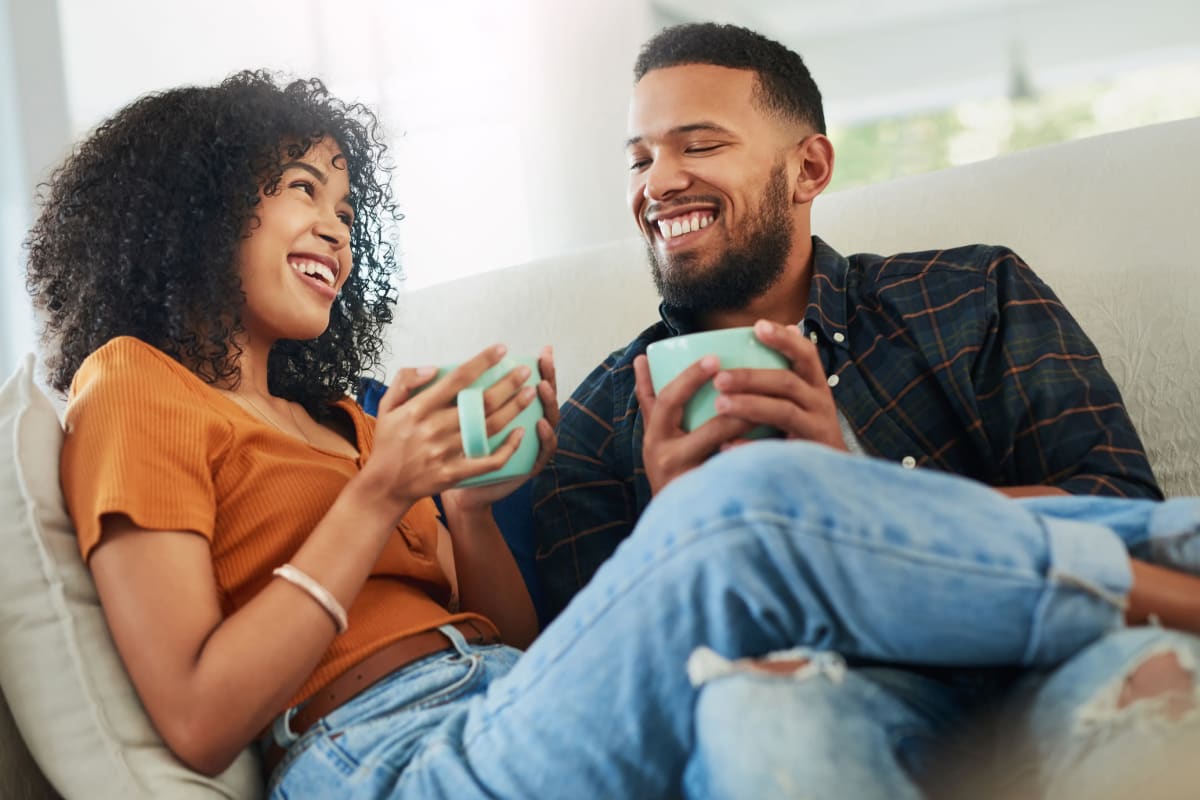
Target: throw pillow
(72, 701)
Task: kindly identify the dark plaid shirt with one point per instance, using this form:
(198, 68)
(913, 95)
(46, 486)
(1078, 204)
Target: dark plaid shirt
(959, 360)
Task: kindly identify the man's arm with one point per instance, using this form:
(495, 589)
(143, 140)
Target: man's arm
(1048, 404)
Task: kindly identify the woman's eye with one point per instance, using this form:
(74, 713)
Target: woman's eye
(347, 219)
(304, 186)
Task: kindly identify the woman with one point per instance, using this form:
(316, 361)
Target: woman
(213, 268)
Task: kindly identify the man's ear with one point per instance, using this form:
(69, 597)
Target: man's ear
(814, 154)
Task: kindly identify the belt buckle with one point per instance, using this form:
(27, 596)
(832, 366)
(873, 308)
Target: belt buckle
(281, 728)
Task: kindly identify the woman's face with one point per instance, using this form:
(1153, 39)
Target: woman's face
(297, 257)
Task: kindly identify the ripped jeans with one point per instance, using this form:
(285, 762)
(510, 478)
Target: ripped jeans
(770, 547)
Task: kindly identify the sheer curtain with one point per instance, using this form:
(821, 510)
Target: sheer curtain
(16, 322)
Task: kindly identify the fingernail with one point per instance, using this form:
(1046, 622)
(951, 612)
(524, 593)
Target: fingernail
(500, 349)
(722, 403)
(722, 380)
(425, 372)
(528, 392)
(762, 326)
(709, 363)
(523, 372)
(520, 433)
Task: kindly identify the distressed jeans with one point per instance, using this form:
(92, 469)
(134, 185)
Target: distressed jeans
(769, 548)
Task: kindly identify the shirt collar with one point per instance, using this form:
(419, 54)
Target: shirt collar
(826, 300)
(827, 295)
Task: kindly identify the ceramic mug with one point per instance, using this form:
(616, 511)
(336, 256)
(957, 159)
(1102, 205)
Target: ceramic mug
(472, 421)
(735, 348)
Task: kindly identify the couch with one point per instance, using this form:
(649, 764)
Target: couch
(1109, 222)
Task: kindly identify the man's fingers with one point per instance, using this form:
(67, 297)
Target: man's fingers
(643, 387)
(670, 400)
(546, 366)
(767, 382)
(549, 400)
(794, 346)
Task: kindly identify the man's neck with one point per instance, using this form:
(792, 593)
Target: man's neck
(784, 302)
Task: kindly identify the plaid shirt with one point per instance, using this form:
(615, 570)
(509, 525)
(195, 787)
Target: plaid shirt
(959, 360)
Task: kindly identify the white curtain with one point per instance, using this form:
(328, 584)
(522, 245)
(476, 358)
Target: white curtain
(16, 320)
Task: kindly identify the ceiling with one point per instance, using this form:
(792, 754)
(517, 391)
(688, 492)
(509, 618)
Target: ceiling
(877, 57)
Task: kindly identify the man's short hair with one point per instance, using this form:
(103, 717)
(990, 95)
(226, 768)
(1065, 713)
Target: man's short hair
(785, 86)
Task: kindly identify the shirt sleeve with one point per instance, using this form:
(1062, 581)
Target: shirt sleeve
(136, 445)
(583, 508)
(1051, 409)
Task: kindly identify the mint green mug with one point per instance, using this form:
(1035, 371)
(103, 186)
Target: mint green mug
(472, 422)
(735, 348)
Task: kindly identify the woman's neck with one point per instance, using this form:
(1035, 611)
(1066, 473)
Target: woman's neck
(252, 368)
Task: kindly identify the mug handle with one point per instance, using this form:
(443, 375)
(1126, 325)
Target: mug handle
(472, 423)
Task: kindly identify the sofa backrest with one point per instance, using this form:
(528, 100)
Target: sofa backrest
(1108, 222)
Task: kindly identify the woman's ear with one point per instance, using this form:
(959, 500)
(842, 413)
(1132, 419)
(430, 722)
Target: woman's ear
(814, 153)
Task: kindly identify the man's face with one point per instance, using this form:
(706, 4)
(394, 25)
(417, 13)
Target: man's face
(708, 186)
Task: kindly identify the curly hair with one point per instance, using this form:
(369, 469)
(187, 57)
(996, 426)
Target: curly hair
(139, 229)
(785, 85)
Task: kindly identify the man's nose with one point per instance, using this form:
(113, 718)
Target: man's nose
(664, 178)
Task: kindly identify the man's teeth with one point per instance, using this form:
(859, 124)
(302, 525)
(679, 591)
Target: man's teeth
(681, 225)
(315, 269)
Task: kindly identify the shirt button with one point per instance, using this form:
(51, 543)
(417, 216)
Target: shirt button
(839, 337)
(833, 381)
(908, 462)
(813, 337)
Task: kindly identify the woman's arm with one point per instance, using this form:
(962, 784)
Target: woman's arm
(480, 563)
(211, 683)
(489, 581)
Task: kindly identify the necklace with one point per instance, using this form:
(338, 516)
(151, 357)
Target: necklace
(275, 424)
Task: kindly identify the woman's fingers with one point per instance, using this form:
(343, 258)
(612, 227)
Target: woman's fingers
(403, 384)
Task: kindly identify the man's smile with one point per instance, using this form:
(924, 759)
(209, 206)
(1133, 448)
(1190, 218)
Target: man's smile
(676, 228)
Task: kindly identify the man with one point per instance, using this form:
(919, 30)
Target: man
(961, 361)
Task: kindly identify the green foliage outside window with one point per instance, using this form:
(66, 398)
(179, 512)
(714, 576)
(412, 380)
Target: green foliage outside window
(882, 149)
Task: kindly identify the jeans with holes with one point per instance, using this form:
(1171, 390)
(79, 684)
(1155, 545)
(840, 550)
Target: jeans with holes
(769, 547)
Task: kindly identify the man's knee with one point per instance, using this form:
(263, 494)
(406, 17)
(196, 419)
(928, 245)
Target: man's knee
(1157, 683)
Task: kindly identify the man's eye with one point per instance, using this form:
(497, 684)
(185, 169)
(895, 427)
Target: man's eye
(639, 164)
(703, 148)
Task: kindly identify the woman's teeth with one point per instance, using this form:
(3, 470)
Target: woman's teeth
(315, 269)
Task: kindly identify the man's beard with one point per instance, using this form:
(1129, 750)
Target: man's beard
(745, 271)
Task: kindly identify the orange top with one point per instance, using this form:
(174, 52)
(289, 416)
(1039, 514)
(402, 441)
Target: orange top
(148, 439)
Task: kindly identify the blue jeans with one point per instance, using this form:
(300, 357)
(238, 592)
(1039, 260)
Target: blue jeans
(767, 548)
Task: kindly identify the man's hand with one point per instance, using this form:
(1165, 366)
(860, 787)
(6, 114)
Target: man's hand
(798, 402)
(667, 450)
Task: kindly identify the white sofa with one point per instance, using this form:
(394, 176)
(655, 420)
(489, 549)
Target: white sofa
(1109, 222)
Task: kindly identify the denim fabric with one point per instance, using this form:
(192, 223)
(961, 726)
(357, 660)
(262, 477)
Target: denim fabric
(771, 546)
(864, 733)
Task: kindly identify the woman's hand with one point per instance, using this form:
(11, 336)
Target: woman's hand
(418, 448)
(481, 497)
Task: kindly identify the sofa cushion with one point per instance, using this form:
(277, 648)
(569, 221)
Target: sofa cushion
(64, 682)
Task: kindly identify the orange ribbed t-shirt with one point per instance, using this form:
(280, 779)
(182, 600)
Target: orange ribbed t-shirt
(149, 439)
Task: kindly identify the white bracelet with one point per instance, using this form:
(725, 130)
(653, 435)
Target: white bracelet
(317, 592)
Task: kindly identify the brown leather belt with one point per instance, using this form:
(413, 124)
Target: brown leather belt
(370, 670)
